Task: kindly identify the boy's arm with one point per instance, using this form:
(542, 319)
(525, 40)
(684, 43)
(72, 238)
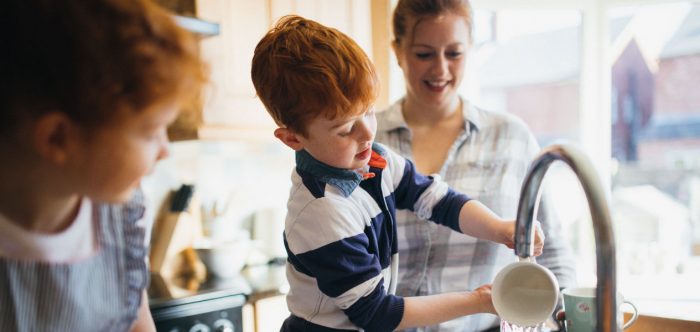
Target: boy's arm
(477, 220)
(430, 198)
(438, 308)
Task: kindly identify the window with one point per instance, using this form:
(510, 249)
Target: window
(573, 68)
(655, 145)
(527, 62)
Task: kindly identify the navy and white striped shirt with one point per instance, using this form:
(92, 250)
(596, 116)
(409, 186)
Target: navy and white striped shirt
(341, 239)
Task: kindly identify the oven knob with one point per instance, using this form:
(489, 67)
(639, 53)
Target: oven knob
(223, 325)
(199, 327)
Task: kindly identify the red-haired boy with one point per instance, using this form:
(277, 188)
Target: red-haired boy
(340, 234)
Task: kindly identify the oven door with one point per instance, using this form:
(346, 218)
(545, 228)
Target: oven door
(200, 314)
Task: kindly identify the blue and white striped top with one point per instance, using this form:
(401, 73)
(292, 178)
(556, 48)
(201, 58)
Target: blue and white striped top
(341, 239)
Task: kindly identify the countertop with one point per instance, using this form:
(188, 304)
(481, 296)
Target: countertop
(255, 282)
(269, 280)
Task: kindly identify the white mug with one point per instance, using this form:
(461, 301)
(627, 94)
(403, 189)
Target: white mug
(524, 293)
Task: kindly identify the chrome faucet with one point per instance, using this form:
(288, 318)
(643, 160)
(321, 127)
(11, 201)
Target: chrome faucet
(606, 305)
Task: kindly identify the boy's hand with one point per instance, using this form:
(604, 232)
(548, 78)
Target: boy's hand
(539, 239)
(483, 294)
(477, 220)
(509, 237)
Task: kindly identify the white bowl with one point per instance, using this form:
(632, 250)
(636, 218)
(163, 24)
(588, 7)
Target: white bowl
(225, 259)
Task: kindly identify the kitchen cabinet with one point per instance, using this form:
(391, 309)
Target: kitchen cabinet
(230, 107)
(267, 303)
(270, 313)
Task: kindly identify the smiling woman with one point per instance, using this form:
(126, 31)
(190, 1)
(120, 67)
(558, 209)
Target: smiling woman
(476, 150)
(547, 63)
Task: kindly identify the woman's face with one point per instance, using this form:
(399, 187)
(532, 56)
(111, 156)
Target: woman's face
(433, 59)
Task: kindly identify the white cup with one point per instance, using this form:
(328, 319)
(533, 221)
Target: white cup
(524, 293)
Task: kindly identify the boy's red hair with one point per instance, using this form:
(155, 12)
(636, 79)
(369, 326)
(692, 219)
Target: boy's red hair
(302, 70)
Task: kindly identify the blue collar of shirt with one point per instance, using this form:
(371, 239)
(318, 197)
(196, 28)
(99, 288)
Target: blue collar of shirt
(344, 179)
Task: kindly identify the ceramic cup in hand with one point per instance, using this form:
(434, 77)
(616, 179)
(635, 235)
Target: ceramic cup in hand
(525, 293)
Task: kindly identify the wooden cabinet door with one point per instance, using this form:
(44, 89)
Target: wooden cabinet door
(365, 21)
(230, 103)
(231, 108)
(352, 17)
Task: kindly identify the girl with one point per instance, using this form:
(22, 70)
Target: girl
(87, 90)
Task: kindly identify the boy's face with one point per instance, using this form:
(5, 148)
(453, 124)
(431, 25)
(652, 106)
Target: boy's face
(115, 158)
(342, 142)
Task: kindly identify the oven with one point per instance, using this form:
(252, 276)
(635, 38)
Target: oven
(207, 310)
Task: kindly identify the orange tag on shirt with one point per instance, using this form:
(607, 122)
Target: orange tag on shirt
(376, 160)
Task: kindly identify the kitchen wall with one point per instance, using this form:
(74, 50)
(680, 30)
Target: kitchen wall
(236, 178)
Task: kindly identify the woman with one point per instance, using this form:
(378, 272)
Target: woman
(481, 153)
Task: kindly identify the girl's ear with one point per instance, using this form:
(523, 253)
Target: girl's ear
(52, 136)
(397, 49)
(289, 138)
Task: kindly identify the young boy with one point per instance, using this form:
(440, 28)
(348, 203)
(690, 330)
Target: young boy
(87, 89)
(340, 233)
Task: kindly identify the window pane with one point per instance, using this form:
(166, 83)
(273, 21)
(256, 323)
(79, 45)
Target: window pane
(528, 63)
(656, 147)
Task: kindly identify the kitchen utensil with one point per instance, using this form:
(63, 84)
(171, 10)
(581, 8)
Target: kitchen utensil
(175, 230)
(525, 293)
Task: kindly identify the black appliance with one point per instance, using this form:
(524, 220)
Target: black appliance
(215, 307)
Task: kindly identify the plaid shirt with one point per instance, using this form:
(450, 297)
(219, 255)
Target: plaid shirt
(488, 162)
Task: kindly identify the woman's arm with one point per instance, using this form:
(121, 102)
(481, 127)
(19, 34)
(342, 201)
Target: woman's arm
(144, 321)
(434, 309)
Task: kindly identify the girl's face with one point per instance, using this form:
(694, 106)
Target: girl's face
(115, 157)
(433, 59)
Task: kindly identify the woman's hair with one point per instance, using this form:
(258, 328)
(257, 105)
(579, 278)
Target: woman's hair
(417, 10)
(302, 70)
(90, 59)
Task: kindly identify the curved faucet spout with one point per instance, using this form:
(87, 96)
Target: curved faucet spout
(602, 225)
